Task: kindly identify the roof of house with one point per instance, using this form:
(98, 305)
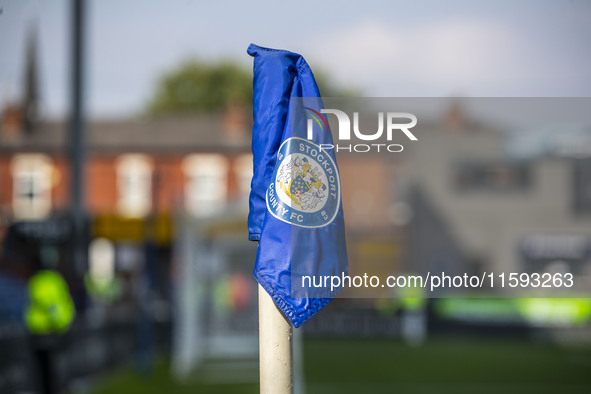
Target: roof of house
(179, 133)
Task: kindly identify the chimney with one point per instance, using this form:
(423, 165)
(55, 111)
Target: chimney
(455, 121)
(236, 124)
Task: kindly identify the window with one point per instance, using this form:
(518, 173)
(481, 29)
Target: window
(134, 185)
(206, 187)
(500, 177)
(32, 177)
(243, 171)
(582, 185)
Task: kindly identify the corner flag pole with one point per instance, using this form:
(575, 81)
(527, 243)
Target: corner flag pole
(275, 348)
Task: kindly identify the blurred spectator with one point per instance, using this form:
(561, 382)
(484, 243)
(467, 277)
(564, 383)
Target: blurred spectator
(14, 272)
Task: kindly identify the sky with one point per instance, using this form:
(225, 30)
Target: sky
(420, 48)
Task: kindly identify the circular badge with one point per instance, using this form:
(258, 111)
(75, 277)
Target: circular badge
(305, 189)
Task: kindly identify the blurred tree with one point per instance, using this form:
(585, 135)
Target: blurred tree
(198, 86)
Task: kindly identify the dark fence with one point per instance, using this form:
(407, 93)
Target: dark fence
(87, 349)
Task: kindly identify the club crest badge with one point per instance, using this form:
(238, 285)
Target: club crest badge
(305, 189)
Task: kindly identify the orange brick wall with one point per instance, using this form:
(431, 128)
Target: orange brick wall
(366, 193)
(5, 184)
(101, 184)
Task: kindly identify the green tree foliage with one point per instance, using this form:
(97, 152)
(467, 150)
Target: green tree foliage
(198, 86)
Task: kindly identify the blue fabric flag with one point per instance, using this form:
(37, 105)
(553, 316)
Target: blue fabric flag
(295, 201)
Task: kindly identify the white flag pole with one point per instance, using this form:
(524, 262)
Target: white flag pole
(275, 348)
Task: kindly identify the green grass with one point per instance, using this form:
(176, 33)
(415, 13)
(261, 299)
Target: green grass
(384, 366)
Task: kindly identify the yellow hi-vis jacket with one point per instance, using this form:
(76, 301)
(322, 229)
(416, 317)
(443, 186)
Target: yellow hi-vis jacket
(50, 309)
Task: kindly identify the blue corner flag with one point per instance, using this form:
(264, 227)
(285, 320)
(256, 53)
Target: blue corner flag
(295, 200)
